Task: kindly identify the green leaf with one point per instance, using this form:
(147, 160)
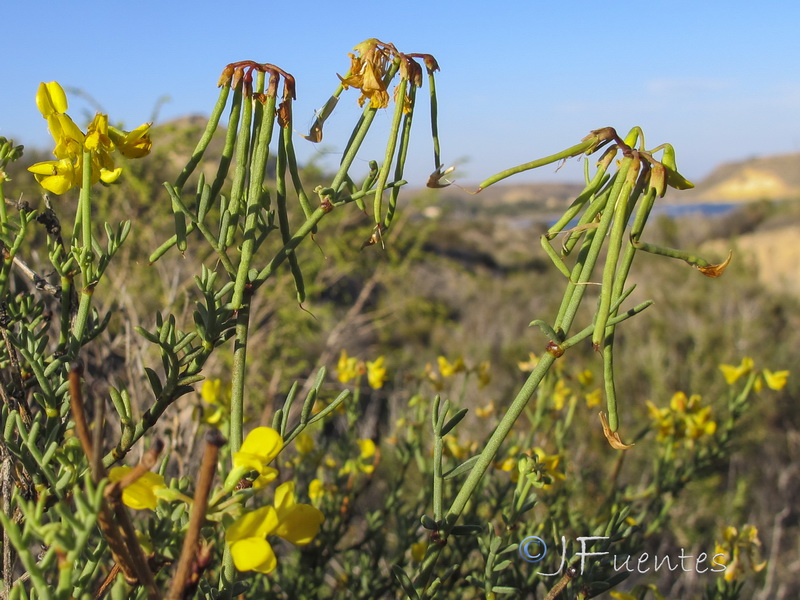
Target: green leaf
(455, 420)
(462, 468)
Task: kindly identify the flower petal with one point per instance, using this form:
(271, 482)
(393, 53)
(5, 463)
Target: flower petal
(300, 524)
(254, 554)
(258, 523)
(264, 442)
(51, 99)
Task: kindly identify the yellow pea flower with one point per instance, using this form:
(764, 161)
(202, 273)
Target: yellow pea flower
(733, 373)
(486, 411)
(304, 443)
(141, 493)
(457, 450)
(316, 490)
(530, 364)
(247, 539)
(259, 449)
(594, 398)
(218, 401)
(738, 552)
(418, 550)
(775, 380)
(71, 143)
(448, 369)
(51, 99)
(347, 367)
(97, 139)
(132, 144)
(376, 373)
(484, 374)
(560, 394)
(56, 176)
(586, 377)
(367, 69)
(365, 460)
(547, 467)
(297, 523)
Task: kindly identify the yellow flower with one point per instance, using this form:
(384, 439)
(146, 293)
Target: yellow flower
(418, 550)
(316, 490)
(485, 411)
(484, 374)
(456, 450)
(509, 463)
(685, 419)
(586, 377)
(448, 369)
(364, 462)
(259, 448)
(97, 139)
(547, 467)
(367, 70)
(247, 538)
(304, 443)
(594, 398)
(530, 364)
(132, 144)
(560, 394)
(51, 99)
(298, 523)
(347, 367)
(56, 176)
(662, 418)
(738, 552)
(732, 373)
(699, 423)
(775, 380)
(376, 373)
(141, 493)
(67, 172)
(218, 401)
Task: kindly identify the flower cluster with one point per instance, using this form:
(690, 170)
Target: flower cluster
(446, 368)
(774, 380)
(286, 518)
(350, 367)
(100, 142)
(295, 522)
(541, 468)
(561, 394)
(738, 552)
(686, 419)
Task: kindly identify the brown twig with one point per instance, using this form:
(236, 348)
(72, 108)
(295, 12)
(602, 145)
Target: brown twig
(189, 552)
(113, 519)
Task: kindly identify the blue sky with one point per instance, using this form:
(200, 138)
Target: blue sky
(719, 80)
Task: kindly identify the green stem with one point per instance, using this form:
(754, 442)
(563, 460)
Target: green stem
(85, 204)
(231, 216)
(359, 134)
(484, 461)
(264, 123)
(391, 144)
(205, 140)
(535, 164)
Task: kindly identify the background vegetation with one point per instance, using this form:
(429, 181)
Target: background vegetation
(463, 283)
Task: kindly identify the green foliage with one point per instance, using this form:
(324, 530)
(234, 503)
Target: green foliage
(199, 305)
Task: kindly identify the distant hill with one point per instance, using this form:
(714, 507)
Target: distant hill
(763, 178)
(774, 177)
